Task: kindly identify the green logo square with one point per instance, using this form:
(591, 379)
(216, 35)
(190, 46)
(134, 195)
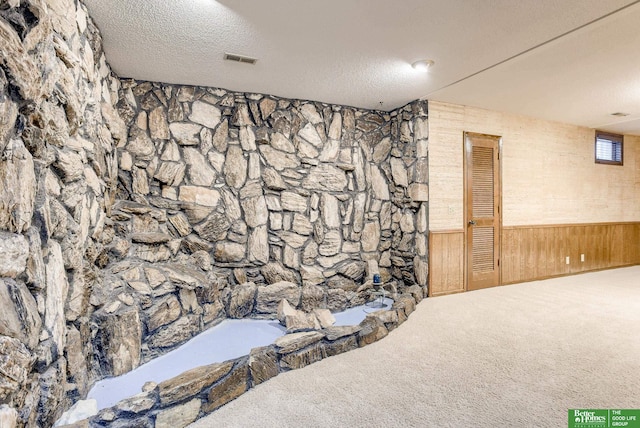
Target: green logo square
(588, 418)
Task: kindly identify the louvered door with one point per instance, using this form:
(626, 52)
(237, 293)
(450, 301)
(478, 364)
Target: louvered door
(483, 198)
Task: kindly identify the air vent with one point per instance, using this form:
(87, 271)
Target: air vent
(240, 58)
(620, 114)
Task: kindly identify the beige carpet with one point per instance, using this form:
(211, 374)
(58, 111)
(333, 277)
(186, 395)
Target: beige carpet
(513, 356)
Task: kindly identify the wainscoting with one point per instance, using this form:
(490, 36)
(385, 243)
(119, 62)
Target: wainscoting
(537, 252)
(446, 262)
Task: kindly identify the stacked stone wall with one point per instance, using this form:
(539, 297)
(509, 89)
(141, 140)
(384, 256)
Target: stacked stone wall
(134, 215)
(229, 202)
(58, 172)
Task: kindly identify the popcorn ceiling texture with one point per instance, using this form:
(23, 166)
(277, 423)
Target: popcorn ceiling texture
(133, 215)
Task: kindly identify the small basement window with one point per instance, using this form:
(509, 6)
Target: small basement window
(608, 148)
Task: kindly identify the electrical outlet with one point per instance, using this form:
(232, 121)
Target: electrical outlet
(582, 258)
(567, 259)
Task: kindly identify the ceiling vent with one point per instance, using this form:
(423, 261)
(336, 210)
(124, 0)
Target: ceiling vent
(620, 114)
(240, 58)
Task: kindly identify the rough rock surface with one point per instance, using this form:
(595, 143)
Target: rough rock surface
(135, 214)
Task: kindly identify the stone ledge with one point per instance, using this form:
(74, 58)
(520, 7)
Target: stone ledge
(181, 400)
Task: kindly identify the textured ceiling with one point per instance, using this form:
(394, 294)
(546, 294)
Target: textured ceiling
(573, 61)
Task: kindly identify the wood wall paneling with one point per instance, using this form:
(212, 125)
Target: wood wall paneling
(446, 262)
(537, 252)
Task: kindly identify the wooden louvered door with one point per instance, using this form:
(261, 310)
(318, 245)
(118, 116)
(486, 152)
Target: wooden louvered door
(483, 196)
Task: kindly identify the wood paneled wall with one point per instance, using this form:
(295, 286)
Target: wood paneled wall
(537, 252)
(446, 262)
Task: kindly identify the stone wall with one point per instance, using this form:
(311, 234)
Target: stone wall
(229, 202)
(133, 215)
(58, 171)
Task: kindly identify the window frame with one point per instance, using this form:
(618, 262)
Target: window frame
(615, 139)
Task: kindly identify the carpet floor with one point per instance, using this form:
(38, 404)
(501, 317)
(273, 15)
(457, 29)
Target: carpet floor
(513, 356)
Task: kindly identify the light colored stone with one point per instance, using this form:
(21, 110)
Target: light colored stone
(57, 289)
(326, 177)
(273, 180)
(199, 195)
(421, 218)
(170, 173)
(301, 224)
(335, 129)
(331, 244)
(247, 139)
(293, 202)
(382, 150)
(163, 312)
(311, 275)
(370, 236)
(406, 223)
(180, 222)
(171, 152)
(306, 150)
(310, 113)
(17, 188)
(422, 149)
(282, 143)
(185, 133)
(421, 269)
(242, 300)
(198, 170)
(14, 250)
(228, 252)
(274, 272)
(310, 134)
(330, 151)
(269, 296)
(295, 341)
(205, 114)
(278, 159)
(158, 125)
(399, 172)
(70, 164)
(119, 336)
(19, 317)
(267, 106)
(8, 417)
(419, 192)
(290, 257)
(259, 245)
(329, 206)
(175, 333)
(325, 317)
(137, 404)
(421, 129)
(301, 321)
(214, 227)
(379, 184)
(284, 310)
(191, 382)
(229, 388)
(179, 416)
(16, 363)
(141, 147)
(235, 167)
(255, 211)
(263, 364)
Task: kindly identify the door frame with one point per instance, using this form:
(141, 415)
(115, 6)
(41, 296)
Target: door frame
(466, 211)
